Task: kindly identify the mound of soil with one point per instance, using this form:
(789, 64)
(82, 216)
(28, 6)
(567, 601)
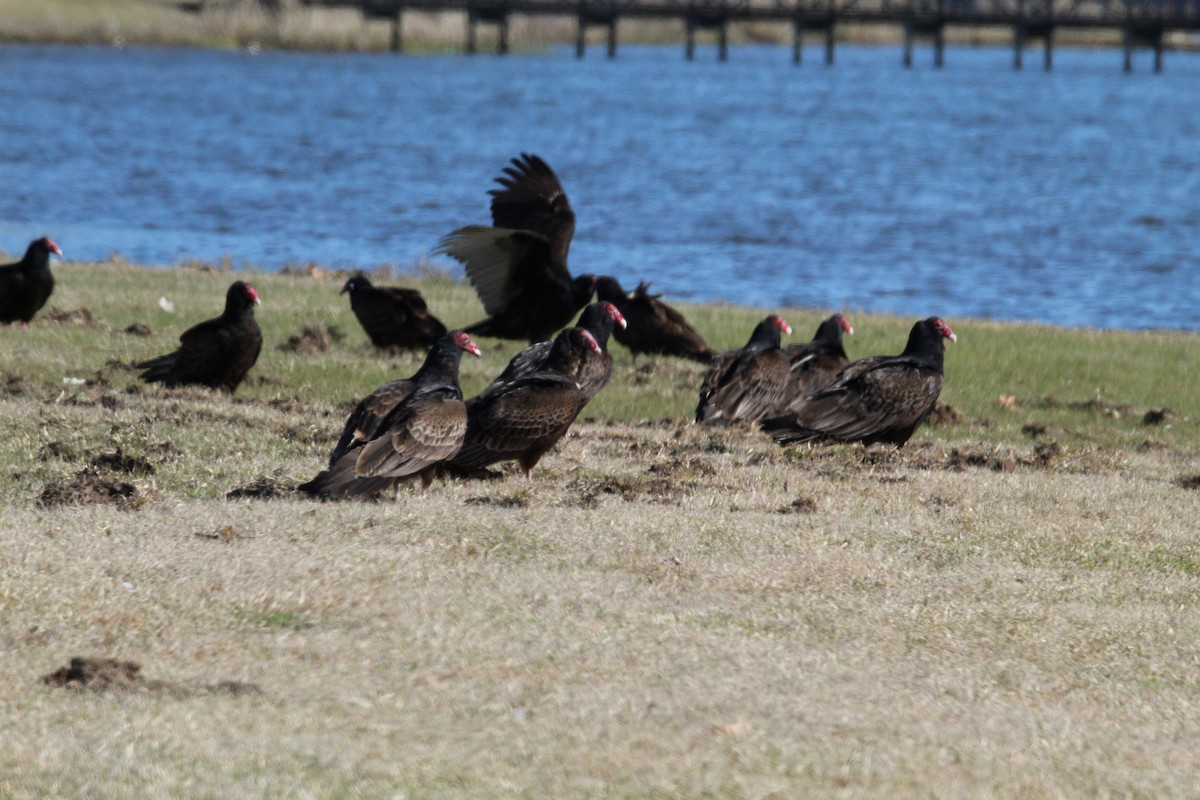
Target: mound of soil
(139, 329)
(945, 415)
(263, 488)
(122, 462)
(113, 675)
(88, 487)
(312, 339)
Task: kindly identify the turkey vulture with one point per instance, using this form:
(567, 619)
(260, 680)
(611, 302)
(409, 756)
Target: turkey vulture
(750, 383)
(403, 428)
(654, 327)
(522, 418)
(519, 267)
(815, 363)
(216, 353)
(594, 368)
(26, 285)
(393, 316)
(877, 399)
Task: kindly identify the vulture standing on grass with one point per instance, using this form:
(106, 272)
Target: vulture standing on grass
(593, 369)
(216, 353)
(654, 327)
(404, 428)
(877, 399)
(522, 418)
(815, 363)
(393, 316)
(750, 383)
(25, 286)
(519, 266)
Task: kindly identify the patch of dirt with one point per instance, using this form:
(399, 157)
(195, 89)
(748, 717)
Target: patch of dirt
(226, 533)
(1033, 430)
(78, 316)
(138, 329)
(513, 501)
(1191, 482)
(120, 461)
(114, 675)
(264, 488)
(995, 460)
(60, 450)
(87, 487)
(945, 415)
(801, 505)
(659, 490)
(313, 339)
(15, 386)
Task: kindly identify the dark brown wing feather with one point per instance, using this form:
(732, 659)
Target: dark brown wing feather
(364, 421)
(746, 386)
(427, 430)
(812, 369)
(532, 199)
(519, 421)
(657, 328)
(883, 400)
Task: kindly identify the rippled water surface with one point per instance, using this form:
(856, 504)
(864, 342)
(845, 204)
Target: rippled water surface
(1071, 197)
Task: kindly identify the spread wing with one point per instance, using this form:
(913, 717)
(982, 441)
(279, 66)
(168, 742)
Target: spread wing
(532, 199)
(506, 267)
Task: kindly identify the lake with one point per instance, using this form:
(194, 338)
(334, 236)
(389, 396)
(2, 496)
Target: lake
(1070, 198)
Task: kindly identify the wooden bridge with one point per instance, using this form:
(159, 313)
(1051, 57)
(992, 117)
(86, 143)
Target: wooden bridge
(1141, 23)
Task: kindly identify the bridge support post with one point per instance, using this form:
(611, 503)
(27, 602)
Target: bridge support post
(1018, 44)
(1127, 45)
(470, 32)
(612, 37)
(797, 39)
(1048, 53)
(689, 47)
(397, 40)
(939, 45)
(830, 37)
(1158, 50)
(504, 34)
(723, 41)
(580, 36)
(909, 33)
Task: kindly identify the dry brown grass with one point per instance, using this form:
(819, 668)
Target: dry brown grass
(664, 611)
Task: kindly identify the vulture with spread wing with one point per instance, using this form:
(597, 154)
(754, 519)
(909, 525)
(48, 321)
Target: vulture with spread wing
(519, 266)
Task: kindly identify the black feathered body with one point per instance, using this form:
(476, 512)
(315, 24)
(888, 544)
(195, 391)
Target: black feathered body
(26, 285)
(746, 384)
(393, 316)
(653, 327)
(217, 353)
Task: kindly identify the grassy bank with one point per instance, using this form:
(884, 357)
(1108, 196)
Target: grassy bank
(242, 23)
(1004, 608)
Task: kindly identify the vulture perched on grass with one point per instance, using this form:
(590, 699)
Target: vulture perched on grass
(522, 418)
(404, 428)
(815, 363)
(750, 383)
(877, 399)
(593, 370)
(653, 326)
(393, 316)
(25, 286)
(216, 353)
(519, 266)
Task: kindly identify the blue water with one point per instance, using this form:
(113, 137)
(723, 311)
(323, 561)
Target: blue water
(971, 191)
